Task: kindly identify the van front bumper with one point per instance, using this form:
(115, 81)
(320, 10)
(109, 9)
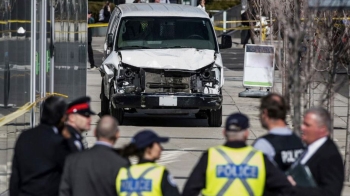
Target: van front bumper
(154, 101)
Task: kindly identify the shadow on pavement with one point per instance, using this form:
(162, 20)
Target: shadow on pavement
(164, 121)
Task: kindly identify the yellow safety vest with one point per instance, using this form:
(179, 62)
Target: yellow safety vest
(141, 180)
(235, 171)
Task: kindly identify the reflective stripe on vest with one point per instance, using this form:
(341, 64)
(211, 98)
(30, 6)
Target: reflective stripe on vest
(141, 180)
(235, 171)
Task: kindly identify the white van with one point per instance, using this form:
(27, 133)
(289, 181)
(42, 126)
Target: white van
(162, 59)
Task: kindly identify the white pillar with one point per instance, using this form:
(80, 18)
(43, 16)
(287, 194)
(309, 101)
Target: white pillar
(52, 60)
(224, 17)
(43, 42)
(32, 60)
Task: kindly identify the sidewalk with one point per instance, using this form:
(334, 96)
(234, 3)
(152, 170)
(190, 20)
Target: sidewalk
(249, 106)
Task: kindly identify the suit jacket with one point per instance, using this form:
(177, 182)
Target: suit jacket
(91, 172)
(38, 162)
(326, 166)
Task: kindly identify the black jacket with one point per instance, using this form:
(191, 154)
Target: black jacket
(38, 161)
(91, 172)
(276, 181)
(106, 14)
(326, 166)
(75, 142)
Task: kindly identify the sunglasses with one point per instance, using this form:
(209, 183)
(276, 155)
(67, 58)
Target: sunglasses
(87, 115)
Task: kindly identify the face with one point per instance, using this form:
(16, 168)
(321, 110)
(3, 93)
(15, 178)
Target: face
(311, 130)
(154, 152)
(156, 1)
(82, 123)
(89, 16)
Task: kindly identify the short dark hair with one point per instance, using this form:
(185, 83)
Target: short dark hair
(275, 105)
(53, 109)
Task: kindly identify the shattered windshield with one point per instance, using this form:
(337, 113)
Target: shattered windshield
(165, 32)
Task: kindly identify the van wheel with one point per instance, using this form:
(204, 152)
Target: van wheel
(215, 117)
(117, 113)
(104, 101)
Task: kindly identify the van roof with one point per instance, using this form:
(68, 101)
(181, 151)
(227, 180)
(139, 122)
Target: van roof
(161, 9)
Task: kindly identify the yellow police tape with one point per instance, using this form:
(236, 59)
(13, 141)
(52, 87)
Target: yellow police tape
(25, 108)
(97, 25)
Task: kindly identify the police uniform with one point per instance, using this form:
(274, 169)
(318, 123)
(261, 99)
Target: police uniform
(146, 178)
(80, 106)
(281, 146)
(235, 169)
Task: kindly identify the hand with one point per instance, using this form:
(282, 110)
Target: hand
(291, 180)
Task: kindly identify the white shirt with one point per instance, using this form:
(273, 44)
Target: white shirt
(202, 7)
(312, 148)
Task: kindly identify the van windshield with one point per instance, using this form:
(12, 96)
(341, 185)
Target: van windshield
(165, 32)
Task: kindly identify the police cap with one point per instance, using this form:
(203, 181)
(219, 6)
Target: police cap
(147, 137)
(80, 106)
(237, 122)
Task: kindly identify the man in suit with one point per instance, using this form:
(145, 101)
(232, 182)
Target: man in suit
(322, 155)
(78, 121)
(93, 172)
(40, 152)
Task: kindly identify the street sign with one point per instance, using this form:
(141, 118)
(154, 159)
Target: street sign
(259, 66)
(329, 4)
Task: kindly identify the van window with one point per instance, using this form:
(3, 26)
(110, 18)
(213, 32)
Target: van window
(165, 32)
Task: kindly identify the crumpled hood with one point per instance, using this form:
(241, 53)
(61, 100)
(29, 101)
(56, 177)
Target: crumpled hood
(181, 59)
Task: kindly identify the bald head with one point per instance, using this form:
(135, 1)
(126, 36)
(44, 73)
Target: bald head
(107, 128)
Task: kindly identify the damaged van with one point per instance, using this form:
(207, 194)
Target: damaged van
(162, 59)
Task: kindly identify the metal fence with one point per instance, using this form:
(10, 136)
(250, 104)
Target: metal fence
(221, 17)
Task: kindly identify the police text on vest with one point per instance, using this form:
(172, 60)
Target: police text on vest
(136, 185)
(233, 171)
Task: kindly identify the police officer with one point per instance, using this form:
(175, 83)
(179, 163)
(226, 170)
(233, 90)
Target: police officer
(235, 168)
(78, 121)
(280, 145)
(145, 178)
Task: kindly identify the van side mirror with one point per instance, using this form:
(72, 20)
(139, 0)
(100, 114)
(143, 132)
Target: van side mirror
(226, 42)
(110, 40)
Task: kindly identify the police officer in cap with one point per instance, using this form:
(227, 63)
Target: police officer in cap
(78, 121)
(235, 168)
(146, 177)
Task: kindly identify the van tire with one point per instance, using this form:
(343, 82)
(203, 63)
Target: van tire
(104, 101)
(215, 117)
(117, 113)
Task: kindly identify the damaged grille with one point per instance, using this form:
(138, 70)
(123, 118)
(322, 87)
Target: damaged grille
(167, 81)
